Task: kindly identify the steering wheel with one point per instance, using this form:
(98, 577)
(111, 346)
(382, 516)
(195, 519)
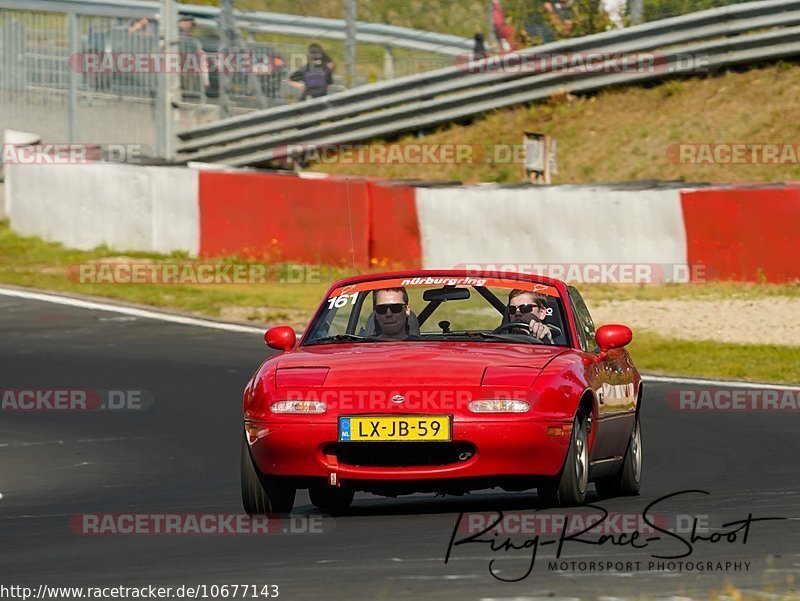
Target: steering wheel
(555, 331)
(514, 324)
(511, 326)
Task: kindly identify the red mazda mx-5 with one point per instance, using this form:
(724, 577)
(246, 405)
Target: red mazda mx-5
(443, 381)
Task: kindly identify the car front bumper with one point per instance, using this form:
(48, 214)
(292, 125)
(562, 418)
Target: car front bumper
(498, 448)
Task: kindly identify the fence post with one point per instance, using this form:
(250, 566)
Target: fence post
(351, 14)
(637, 11)
(388, 63)
(168, 83)
(72, 27)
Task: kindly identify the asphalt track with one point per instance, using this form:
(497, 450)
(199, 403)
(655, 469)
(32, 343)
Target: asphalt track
(181, 455)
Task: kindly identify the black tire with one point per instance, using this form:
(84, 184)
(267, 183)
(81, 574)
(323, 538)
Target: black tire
(627, 481)
(263, 494)
(570, 489)
(330, 498)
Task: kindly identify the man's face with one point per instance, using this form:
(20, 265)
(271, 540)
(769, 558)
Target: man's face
(538, 313)
(393, 321)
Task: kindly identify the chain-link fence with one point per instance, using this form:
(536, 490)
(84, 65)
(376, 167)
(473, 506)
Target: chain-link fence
(97, 80)
(43, 88)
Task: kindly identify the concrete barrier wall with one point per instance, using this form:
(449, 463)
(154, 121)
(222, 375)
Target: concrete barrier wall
(123, 207)
(550, 225)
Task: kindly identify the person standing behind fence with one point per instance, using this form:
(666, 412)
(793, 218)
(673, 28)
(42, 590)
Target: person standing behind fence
(316, 75)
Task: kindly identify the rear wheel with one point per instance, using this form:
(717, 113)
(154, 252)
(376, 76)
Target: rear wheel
(629, 477)
(571, 486)
(261, 493)
(331, 498)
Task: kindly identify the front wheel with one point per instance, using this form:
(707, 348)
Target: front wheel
(571, 487)
(260, 493)
(629, 477)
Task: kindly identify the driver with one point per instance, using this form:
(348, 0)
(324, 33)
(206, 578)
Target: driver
(391, 312)
(530, 308)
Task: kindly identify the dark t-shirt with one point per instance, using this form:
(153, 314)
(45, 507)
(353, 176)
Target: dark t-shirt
(316, 75)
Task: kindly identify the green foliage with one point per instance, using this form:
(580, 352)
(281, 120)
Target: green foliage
(671, 88)
(464, 18)
(662, 9)
(755, 362)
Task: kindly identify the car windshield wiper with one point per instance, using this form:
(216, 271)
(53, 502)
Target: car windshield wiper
(343, 338)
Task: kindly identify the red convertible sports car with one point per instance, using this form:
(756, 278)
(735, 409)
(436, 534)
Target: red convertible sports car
(446, 382)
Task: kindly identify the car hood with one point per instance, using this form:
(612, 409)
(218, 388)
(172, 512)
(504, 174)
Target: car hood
(415, 363)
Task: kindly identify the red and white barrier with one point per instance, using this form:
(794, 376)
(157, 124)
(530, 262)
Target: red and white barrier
(736, 233)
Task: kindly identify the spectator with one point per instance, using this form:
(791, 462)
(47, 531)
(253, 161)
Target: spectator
(503, 31)
(186, 25)
(194, 80)
(316, 75)
(479, 48)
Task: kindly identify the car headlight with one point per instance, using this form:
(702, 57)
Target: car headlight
(499, 406)
(307, 407)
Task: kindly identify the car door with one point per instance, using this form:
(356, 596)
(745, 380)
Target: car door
(611, 377)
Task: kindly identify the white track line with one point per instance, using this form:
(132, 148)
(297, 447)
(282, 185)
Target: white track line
(726, 383)
(147, 314)
(231, 327)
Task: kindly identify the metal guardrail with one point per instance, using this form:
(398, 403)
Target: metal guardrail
(265, 22)
(725, 36)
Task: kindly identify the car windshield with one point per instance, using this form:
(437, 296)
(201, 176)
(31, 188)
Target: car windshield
(441, 308)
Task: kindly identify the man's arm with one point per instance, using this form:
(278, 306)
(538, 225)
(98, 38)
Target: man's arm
(297, 76)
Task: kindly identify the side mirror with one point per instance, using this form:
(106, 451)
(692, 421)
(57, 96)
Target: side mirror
(613, 336)
(282, 338)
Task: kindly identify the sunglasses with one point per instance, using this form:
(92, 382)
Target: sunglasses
(394, 307)
(522, 308)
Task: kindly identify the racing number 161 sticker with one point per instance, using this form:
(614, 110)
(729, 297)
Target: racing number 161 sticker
(341, 300)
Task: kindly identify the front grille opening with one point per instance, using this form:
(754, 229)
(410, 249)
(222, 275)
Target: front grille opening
(401, 454)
